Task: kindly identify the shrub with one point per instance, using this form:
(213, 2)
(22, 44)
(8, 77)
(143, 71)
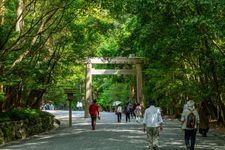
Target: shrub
(4, 117)
(23, 113)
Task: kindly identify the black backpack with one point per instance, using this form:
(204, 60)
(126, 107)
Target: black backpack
(191, 120)
(127, 109)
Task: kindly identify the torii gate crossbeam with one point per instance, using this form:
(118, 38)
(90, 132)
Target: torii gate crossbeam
(118, 60)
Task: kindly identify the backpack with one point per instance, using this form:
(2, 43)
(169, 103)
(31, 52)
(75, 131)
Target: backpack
(127, 109)
(191, 120)
(137, 111)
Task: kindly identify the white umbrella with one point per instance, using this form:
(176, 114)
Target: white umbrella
(116, 103)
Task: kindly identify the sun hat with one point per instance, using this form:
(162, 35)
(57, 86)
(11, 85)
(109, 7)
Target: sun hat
(190, 103)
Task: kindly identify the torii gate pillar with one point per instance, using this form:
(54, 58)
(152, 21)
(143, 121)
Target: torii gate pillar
(88, 95)
(119, 60)
(139, 84)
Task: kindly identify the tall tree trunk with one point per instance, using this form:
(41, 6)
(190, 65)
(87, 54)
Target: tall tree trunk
(1, 89)
(19, 14)
(2, 11)
(11, 98)
(34, 99)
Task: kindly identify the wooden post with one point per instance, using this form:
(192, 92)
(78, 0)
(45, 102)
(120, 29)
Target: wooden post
(69, 93)
(139, 83)
(88, 97)
(70, 113)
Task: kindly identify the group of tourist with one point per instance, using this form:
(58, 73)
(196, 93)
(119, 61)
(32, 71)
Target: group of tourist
(152, 119)
(153, 122)
(48, 106)
(130, 111)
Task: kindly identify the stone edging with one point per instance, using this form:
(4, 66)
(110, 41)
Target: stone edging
(14, 130)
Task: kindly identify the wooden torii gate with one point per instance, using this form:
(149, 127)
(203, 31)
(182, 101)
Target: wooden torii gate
(137, 61)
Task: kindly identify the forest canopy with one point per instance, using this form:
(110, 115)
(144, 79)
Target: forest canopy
(43, 44)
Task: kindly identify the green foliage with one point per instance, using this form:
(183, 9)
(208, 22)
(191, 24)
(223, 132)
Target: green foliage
(111, 91)
(4, 117)
(2, 96)
(103, 101)
(183, 42)
(26, 113)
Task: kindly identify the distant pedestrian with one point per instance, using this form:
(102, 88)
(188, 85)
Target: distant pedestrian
(119, 113)
(79, 106)
(132, 107)
(127, 111)
(204, 119)
(51, 106)
(138, 112)
(190, 122)
(153, 124)
(47, 106)
(94, 113)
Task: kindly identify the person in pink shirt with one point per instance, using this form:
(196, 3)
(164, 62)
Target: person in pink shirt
(94, 113)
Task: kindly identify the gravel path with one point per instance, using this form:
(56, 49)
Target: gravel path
(110, 135)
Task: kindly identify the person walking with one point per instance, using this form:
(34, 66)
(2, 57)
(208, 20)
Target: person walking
(190, 123)
(119, 113)
(204, 119)
(127, 111)
(152, 124)
(138, 112)
(94, 113)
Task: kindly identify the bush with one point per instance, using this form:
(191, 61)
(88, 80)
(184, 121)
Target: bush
(2, 96)
(4, 117)
(22, 113)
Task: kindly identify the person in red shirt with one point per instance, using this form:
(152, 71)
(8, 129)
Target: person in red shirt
(94, 113)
